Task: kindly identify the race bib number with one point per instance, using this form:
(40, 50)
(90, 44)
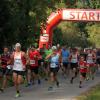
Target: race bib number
(32, 62)
(89, 61)
(82, 67)
(9, 67)
(74, 60)
(17, 61)
(53, 65)
(65, 59)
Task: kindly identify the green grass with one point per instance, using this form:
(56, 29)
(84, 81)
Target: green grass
(92, 94)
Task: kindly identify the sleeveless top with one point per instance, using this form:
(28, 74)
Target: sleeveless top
(74, 58)
(54, 61)
(18, 64)
(89, 58)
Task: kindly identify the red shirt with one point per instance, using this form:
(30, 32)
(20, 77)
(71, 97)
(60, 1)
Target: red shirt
(34, 55)
(83, 66)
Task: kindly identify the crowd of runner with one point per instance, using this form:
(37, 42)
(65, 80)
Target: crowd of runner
(38, 64)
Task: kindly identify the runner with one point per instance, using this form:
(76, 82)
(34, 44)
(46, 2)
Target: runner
(65, 59)
(59, 52)
(5, 68)
(74, 64)
(59, 49)
(83, 53)
(42, 52)
(47, 62)
(83, 70)
(90, 61)
(28, 71)
(34, 66)
(19, 61)
(54, 67)
(98, 58)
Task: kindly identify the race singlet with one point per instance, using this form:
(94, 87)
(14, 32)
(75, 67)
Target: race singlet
(17, 61)
(89, 58)
(18, 65)
(74, 58)
(54, 61)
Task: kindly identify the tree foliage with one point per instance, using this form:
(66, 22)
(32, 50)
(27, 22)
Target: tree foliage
(94, 34)
(20, 21)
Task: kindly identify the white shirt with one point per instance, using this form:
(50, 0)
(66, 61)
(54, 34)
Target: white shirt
(18, 65)
(89, 58)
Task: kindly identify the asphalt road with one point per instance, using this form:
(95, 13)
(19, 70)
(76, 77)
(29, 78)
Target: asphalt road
(66, 91)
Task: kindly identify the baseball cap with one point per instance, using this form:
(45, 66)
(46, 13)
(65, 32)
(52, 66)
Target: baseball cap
(17, 45)
(54, 48)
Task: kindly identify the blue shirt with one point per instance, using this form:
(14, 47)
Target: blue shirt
(65, 55)
(54, 61)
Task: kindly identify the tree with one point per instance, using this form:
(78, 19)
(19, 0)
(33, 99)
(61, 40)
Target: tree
(20, 20)
(94, 34)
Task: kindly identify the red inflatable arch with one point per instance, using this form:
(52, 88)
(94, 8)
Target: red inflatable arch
(66, 15)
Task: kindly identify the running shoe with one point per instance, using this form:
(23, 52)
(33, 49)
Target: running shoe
(50, 88)
(2, 90)
(71, 81)
(46, 79)
(87, 79)
(28, 84)
(57, 84)
(39, 81)
(80, 86)
(17, 95)
(92, 78)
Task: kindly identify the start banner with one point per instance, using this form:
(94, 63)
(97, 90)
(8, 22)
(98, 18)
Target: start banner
(81, 15)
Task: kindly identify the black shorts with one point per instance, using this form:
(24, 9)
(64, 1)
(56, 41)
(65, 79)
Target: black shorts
(65, 64)
(54, 70)
(22, 73)
(98, 61)
(35, 70)
(5, 71)
(83, 75)
(74, 65)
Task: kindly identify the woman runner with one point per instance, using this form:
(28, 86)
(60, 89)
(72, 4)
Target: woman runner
(54, 67)
(19, 61)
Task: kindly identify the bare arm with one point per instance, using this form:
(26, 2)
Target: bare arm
(48, 56)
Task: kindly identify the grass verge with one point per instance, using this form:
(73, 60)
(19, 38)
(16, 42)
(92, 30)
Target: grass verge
(92, 94)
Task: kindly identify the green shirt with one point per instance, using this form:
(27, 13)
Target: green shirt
(48, 52)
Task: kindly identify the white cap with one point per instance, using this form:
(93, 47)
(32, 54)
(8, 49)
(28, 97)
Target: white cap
(18, 45)
(54, 48)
